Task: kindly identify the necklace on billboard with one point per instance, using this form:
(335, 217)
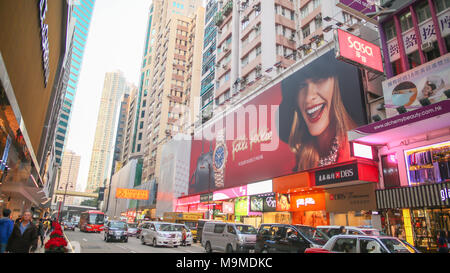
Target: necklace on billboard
(333, 155)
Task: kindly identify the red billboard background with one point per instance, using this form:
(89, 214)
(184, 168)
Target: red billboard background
(244, 162)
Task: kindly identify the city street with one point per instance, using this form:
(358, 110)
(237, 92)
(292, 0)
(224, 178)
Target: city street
(93, 243)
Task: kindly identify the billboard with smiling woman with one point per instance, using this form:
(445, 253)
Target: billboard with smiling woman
(297, 124)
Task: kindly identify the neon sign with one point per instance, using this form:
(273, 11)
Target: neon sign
(44, 39)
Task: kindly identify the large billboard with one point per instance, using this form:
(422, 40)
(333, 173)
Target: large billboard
(297, 124)
(428, 81)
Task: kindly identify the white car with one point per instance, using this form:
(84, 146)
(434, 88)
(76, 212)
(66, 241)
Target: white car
(160, 234)
(363, 244)
(350, 230)
(189, 238)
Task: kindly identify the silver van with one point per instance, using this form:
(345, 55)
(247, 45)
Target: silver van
(228, 237)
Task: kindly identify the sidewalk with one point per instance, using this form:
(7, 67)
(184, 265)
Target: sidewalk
(42, 249)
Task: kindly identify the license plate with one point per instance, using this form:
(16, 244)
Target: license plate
(251, 251)
(117, 237)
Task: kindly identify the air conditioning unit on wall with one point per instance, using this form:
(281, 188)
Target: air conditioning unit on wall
(428, 46)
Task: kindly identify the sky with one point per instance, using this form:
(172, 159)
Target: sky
(115, 41)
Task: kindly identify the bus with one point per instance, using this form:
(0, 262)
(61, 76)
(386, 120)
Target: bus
(92, 221)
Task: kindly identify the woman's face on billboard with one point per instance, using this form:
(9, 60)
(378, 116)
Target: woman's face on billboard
(314, 102)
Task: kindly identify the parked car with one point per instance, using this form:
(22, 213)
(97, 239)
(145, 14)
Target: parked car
(228, 237)
(116, 230)
(330, 231)
(132, 229)
(363, 244)
(189, 236)
(282, 238)
(160, 234)
(69, 225)
(200, 225)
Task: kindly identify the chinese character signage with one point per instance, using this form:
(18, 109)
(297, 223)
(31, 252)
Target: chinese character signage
(356, 50)
(336, 175)
(132, 194)
(429, 80)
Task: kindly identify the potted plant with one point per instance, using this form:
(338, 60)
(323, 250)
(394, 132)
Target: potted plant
(56, 243)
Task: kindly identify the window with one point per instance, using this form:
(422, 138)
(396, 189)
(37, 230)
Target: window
(304, 12)
(406, 21)
(306, 31)
(389, 29)
(346, 245)
(140, 136)
(230, 229)
(441, 5)
(370, 246)
(219, 228)
(258, 50)
(423, 12)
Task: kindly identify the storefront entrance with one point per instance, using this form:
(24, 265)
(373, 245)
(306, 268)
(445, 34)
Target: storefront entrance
(427, 223)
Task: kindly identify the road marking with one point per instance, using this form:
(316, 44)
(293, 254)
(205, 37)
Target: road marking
(85, 240)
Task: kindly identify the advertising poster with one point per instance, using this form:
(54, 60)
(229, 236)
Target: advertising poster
(429, 80)
(263, 203)
(241, 206)
(306, 116)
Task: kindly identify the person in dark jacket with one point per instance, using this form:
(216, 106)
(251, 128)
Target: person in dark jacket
(41, 231)
(442, 242)
(6, 228)
(24, 237)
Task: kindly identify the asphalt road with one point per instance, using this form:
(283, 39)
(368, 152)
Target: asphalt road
(83, 242)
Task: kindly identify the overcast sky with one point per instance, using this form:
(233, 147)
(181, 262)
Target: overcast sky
(115, 41)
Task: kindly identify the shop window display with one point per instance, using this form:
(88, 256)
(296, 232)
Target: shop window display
(427, 223)
(429, 164)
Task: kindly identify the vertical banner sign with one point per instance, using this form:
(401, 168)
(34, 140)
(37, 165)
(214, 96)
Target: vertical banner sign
(44, 39)
(5, 154)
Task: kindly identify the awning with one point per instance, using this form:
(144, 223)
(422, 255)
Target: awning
(430, 195)
(426, 119)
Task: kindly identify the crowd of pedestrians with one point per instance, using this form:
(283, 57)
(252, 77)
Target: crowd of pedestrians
(22, 235)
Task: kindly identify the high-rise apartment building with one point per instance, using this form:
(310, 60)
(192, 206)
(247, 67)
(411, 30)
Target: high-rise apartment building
(170, 78)
(100, 167)
(128, 130)
(81, 14)
(120, 133)
(68, 177)
(209, 61)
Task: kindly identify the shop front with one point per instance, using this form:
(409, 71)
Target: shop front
(416, 214)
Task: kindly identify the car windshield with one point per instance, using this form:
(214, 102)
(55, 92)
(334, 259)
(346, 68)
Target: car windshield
(166, 227)
(243, 229)
(96, 219)
(120, 225)
(396, 246)
(180, 228)
(132, 225)
(191, 225)
(313, 234)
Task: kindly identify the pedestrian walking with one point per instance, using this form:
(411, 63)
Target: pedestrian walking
(6, 228)
(442, 242)
(24, 237)
(41, 231)
(183, 237)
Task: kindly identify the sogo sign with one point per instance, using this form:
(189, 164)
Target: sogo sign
(358, 51)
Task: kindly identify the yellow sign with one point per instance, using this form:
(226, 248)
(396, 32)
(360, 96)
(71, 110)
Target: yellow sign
(132, 194)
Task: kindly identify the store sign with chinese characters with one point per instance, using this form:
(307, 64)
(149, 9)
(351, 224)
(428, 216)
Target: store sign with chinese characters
(358, 51)
(43, 6)
(335, 175)
(427, 34)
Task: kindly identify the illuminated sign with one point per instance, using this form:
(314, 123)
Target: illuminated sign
(44, 39)
(263, 203)
(132, 194)
(230, 193)
(241, 206)
(361, 150)
(259, 188)
(308, 202)
(357, 51)
(445, 194)
(337, 175)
